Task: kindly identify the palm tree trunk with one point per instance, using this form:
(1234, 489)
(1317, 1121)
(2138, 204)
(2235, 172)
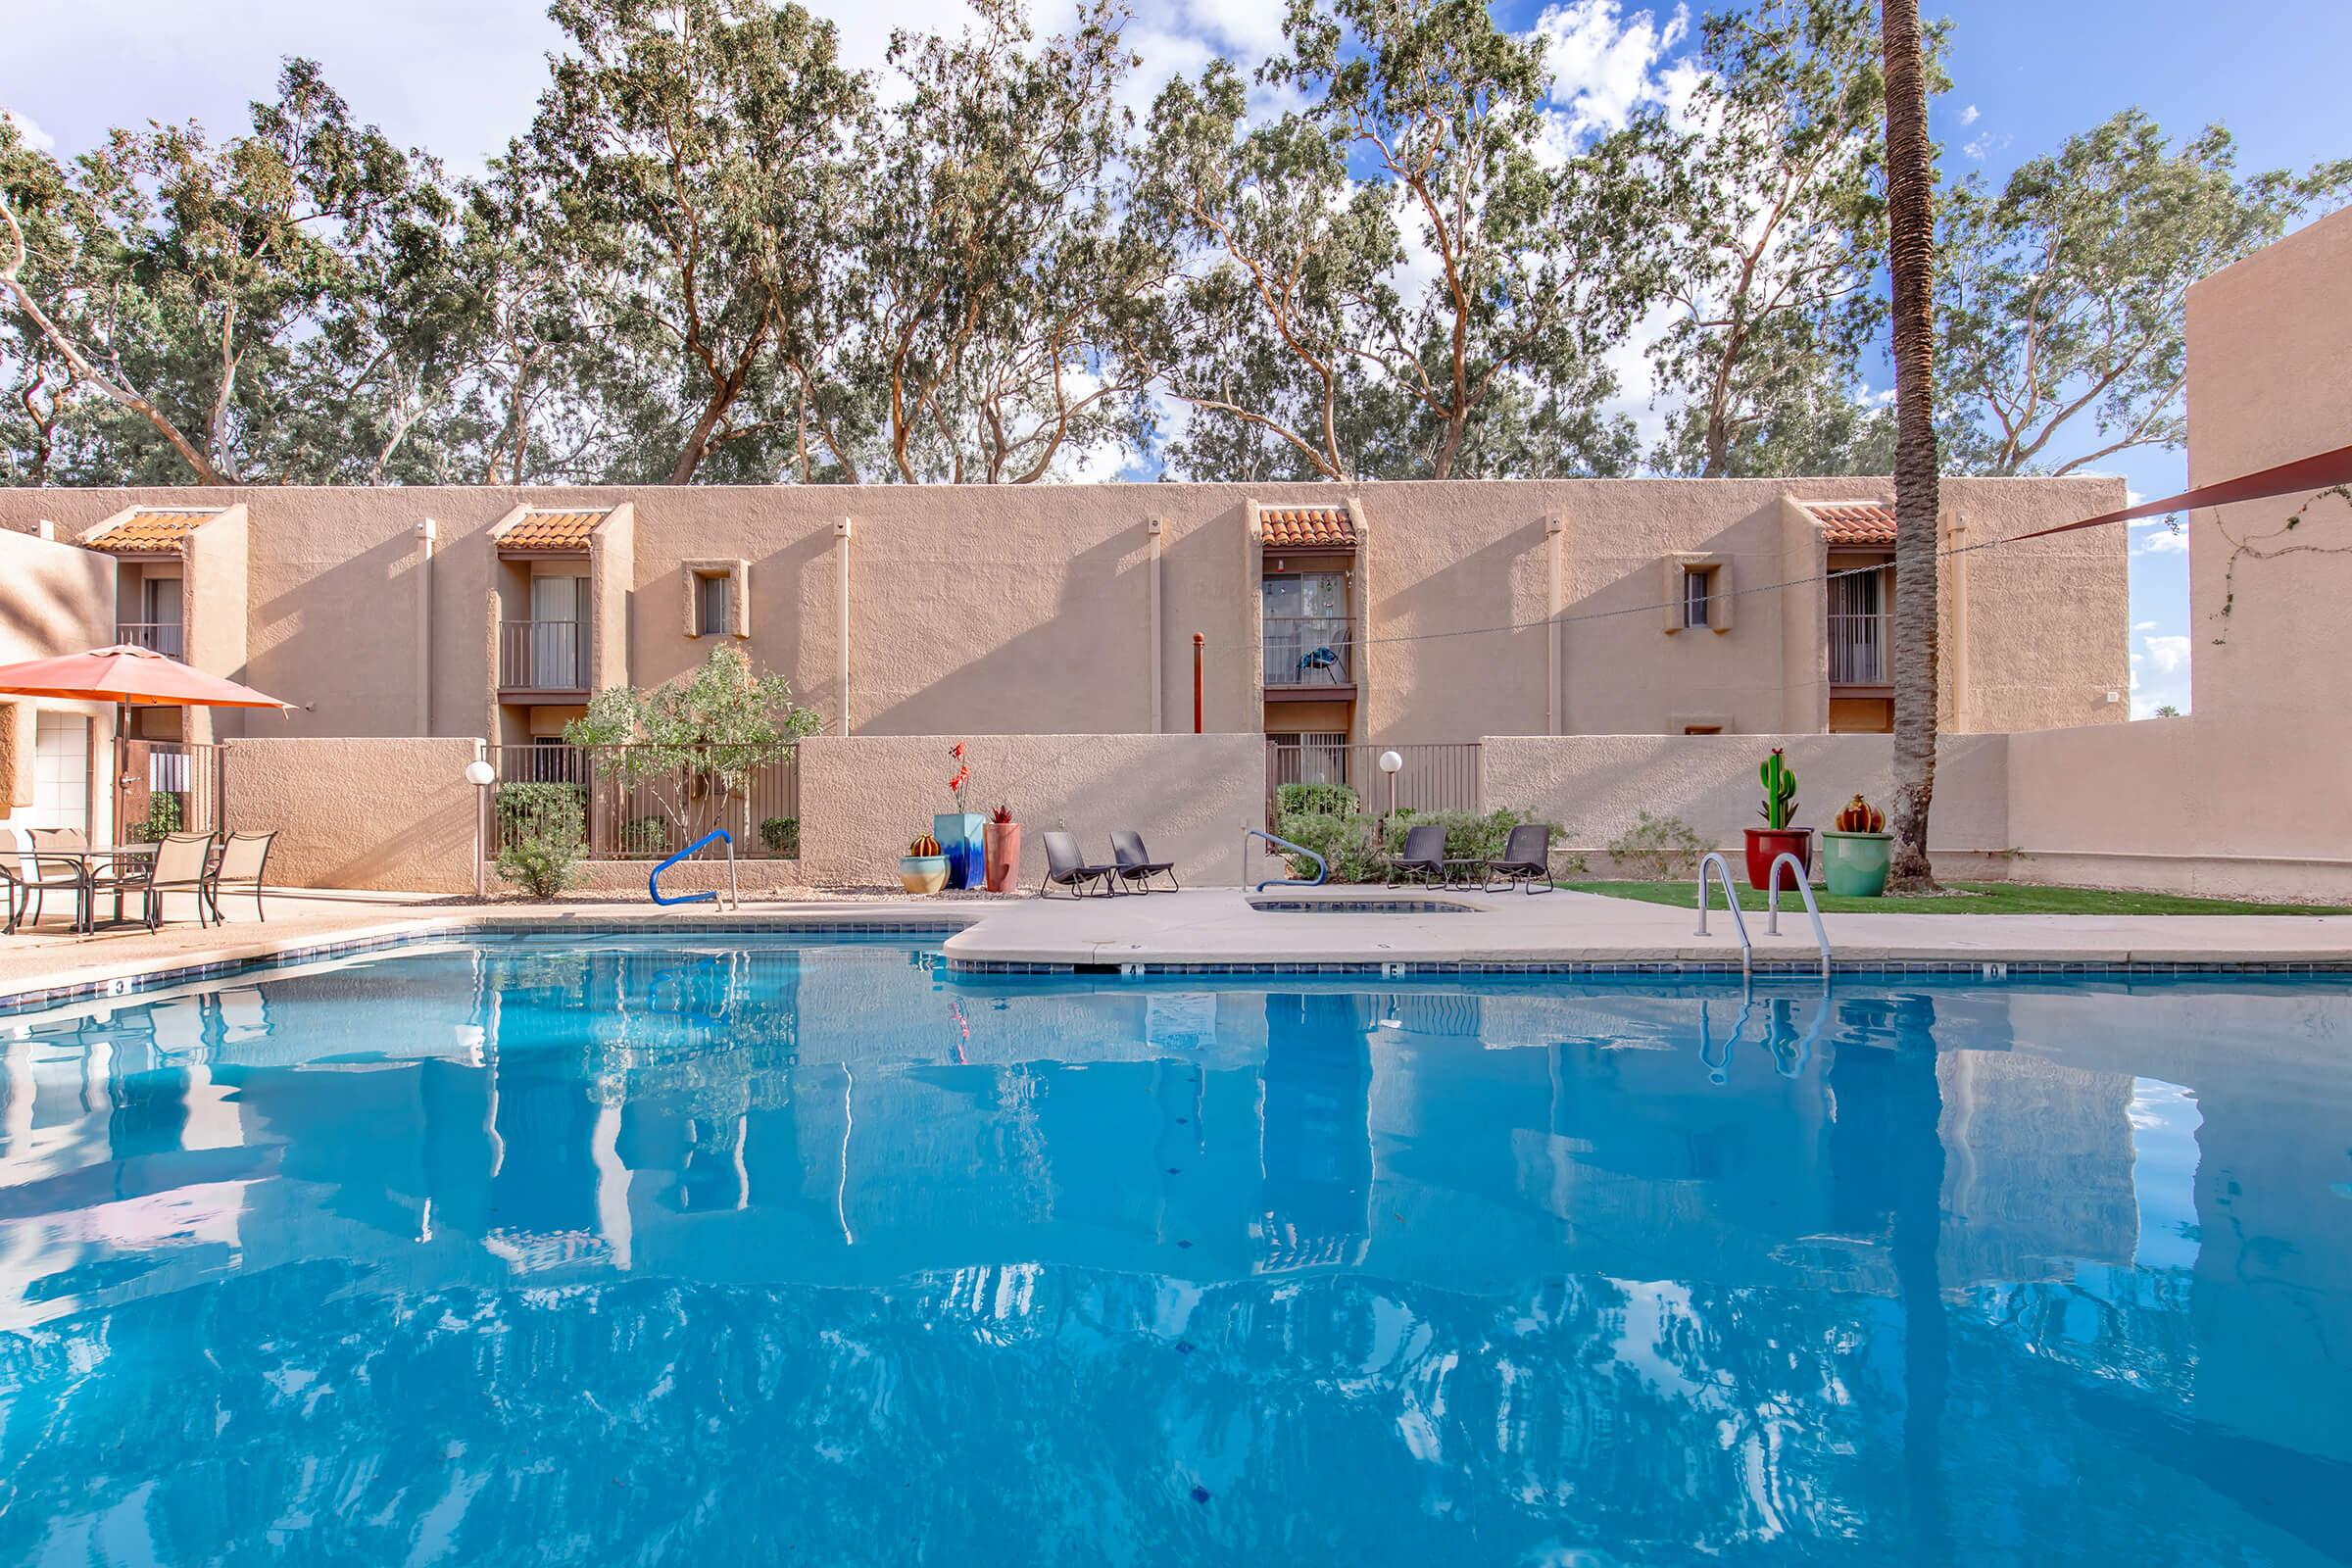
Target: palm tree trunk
(1911, 234)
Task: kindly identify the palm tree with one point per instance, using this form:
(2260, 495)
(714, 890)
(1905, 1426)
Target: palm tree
(1911, 236)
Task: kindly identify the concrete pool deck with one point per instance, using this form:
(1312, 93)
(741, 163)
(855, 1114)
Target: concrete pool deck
(1209, 927)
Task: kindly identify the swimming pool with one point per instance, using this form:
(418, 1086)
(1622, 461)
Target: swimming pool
(733, 1249)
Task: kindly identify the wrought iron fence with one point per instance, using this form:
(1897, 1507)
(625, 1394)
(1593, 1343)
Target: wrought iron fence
(1434, 777)
(547, 655)
(164, 637)
(641, 803)
(1309, 651)
(191, 776)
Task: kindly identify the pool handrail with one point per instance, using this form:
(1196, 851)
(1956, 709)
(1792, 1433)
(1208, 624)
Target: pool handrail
(1322, 866)
(653, 880)
(1804, 886)
(1731, 898)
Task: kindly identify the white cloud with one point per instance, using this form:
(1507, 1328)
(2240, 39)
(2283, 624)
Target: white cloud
(2144, 625)
(2165, 654)
(1604, 63)
(1968, 116)
(35, 137)
(2162, 542)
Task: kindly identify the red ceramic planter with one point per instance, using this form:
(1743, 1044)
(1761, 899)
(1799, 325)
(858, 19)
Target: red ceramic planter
(1766, 844)
(1002, 844)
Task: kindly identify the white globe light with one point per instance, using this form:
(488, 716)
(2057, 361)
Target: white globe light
(478, 771)
(1389, 761)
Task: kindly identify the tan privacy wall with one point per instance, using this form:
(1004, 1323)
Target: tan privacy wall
(2196, 805)
(1596, 787)
(1192, 796)
(2170, 805)
(359, 814)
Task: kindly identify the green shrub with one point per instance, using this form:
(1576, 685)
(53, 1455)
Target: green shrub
(519, 804)
(543, 856)
(1320, 800)
(782, 836)
(163, 817)
(642, 837)
(1657, 849)
(1357, 852)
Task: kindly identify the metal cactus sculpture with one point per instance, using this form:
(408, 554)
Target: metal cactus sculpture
(1860, 816)
(1780, 791)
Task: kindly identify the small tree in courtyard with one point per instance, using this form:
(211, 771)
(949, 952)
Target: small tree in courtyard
(694, 743)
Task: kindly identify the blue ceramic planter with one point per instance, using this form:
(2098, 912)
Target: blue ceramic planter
(959, 840)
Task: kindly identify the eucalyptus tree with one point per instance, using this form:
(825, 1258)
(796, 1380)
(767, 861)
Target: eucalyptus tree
(1911, 263)
(2064, 298)
(699, 157)
(208, 301)
(995, 277)
(1402, 259)
(1777, 233)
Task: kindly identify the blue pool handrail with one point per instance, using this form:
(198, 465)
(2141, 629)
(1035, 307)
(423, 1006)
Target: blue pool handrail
(653, 881)
(1322, 866)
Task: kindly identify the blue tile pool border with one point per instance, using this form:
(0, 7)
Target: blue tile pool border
(37, 999)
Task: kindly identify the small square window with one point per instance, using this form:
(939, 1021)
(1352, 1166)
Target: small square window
(1698, 588)
(710, 606)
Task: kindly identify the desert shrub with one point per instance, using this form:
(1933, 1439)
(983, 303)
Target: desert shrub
(1358, 852)
(522, 803)
(1320, 800)
(163, 817)
(1657, 849)
(782, 836)
(641, 836)
(543, 856)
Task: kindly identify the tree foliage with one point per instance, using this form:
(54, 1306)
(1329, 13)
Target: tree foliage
(2065, 293)
(721, 253)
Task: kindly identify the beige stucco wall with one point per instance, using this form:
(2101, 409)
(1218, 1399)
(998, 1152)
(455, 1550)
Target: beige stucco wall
(1030, 610)
(1192, 796)
(2270, 380)
(1596, 787)
(54, 598)
(359, 812)
(2212, 805)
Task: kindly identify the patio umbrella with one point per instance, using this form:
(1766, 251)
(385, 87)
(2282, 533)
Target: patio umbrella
(128, 677)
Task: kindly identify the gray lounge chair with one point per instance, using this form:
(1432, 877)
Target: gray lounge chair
(239, 868)
(1424, 854)
(1136, 866)
(1066, 867)
(1526, 860)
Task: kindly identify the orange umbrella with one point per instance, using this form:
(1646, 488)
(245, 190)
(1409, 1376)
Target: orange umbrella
(137, 677)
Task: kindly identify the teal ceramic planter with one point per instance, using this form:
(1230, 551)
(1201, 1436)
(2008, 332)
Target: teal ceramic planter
(1855, 864)
(958, 835)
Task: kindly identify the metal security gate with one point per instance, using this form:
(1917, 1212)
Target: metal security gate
(174, 787)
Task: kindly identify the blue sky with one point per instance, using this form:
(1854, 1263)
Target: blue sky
(461, 76)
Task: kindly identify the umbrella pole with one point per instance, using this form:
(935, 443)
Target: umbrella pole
(122, 760)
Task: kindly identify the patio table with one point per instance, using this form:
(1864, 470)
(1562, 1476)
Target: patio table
(1461, 873)
(86, 918)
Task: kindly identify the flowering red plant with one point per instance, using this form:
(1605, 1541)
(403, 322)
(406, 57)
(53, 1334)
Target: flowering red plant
(963, 772)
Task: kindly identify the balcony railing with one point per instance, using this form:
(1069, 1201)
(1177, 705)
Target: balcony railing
(159, 636)
(1309, 651)
(1858, 649)
(543, 656)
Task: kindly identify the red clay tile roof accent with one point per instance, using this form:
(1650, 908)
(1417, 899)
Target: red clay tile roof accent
(551, 531)
(152, 529)
(1853, 522)
(1307, 527)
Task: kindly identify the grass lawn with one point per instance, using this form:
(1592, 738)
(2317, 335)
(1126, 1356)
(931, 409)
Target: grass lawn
(1968, 897)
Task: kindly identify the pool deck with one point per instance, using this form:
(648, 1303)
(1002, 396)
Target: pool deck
(1216, 928)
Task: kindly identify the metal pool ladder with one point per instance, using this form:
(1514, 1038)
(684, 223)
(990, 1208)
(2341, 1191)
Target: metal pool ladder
(1772, 905)
(1322, 866)
(652, 882)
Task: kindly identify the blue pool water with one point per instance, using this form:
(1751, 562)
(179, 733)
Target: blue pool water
(531, 1251)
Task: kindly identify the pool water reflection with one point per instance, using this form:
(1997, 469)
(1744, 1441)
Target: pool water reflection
(738, 1251)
